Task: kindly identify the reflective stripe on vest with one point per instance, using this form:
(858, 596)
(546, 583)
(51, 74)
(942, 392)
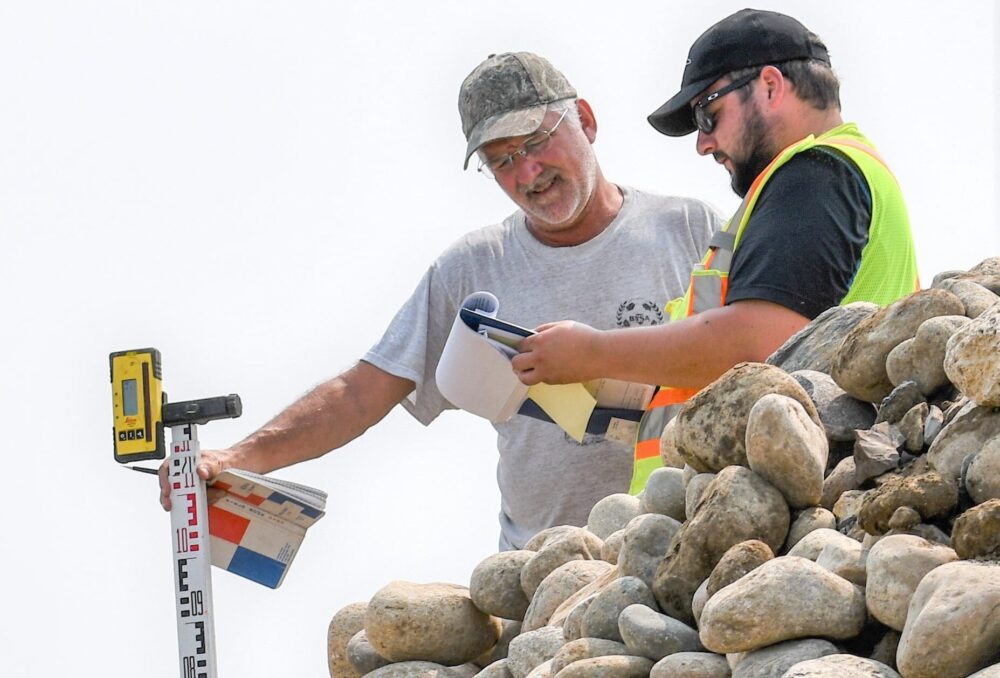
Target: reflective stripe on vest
(710, 278)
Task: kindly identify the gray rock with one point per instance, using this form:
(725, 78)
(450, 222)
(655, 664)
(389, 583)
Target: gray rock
(510, 630)
(859, 366)
(543, 670)
(495, 585)
(649, 634)
(982, 477)
(601, 617)
(896, 564)
(841, 414)
(699, 600)
(904, 518)
(842, 478)
(971, 358)
(931, 494)
(812, 545)
(737, 506)
(530, 649)
(787, 448)
(417, 669)
(669, 455)
(711, 428)
(876, 451)
(608, 667)
(921, 359)
(613, 546)
(911, 426)
(976, 298)
(612, 514)
(665, 493)
(559, 585)
(573, 626)
(774, 660)
(815, 346)
(647, 538)
(845, 559)
(361, 656)
(695, 489)
(347, 622)
(840, 666)
(961, 597)
(934, 424)
(847, 507)
(806, 521)
(497, 669)
(977, 531)
(574, 543)
(966, 434)
(797, 597)
(431, 622)
(586, 648)
(899, 401)
(736, 562)
(691, 665)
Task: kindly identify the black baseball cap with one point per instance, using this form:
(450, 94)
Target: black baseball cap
(751, 37)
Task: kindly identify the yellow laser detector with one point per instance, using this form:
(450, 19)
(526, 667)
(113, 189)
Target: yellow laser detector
(137, 395)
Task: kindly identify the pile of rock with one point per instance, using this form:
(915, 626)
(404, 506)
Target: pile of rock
(835, 512)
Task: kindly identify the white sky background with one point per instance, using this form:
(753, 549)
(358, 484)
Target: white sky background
(254, 188)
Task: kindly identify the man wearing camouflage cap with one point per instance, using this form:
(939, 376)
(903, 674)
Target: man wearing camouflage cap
(822, 223)
(579, 246)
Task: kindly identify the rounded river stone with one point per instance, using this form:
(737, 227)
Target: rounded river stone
(495, 585)
(559, 585)
(347, 622)
(772, 661)
(645, 542)
(691, 665)
(896, 564)
(601, 618)
(840, 666)
(649, 634)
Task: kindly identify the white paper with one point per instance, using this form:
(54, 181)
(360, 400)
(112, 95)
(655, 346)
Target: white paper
(474, 374)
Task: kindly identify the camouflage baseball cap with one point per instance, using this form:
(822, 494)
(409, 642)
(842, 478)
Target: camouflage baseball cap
(507, 96)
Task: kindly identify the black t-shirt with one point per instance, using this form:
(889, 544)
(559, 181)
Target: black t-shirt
(802, 245)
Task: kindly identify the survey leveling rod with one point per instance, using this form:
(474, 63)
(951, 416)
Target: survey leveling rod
(141, 413)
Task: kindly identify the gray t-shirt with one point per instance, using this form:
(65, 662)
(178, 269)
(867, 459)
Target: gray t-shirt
(621, 278)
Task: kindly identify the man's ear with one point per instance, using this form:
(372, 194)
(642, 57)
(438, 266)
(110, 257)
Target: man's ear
(773, 87)
(588, 123)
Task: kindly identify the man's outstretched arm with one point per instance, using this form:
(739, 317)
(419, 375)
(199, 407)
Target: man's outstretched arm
(330, 416)
(687, 354)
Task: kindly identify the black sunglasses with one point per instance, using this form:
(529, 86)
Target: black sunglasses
(704, 120)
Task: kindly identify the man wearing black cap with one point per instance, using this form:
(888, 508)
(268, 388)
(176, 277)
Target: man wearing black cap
(822, 222)
(579, 246)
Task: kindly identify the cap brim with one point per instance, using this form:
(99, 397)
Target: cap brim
(510, 124)
(674, 118)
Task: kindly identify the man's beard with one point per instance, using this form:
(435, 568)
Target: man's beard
(758, 156)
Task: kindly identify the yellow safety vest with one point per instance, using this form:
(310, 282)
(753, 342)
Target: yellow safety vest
(888, 269)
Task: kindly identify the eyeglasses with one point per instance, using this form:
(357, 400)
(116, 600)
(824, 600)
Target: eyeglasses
(533, 145)
(704, 120)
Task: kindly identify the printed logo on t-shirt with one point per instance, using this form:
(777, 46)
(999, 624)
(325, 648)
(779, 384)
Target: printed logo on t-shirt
(638, 312)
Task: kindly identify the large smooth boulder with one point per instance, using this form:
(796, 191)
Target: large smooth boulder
(737, 506)
(711, 428)
(787, 448)
(737, 562)
(971, 358)
(495, 585)
(797, 597)
(559, 585)
(859, 366)
(896, 564)
(952, 627)
(612, 514)
(665, 493)
(559, 546)
(431, 622)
